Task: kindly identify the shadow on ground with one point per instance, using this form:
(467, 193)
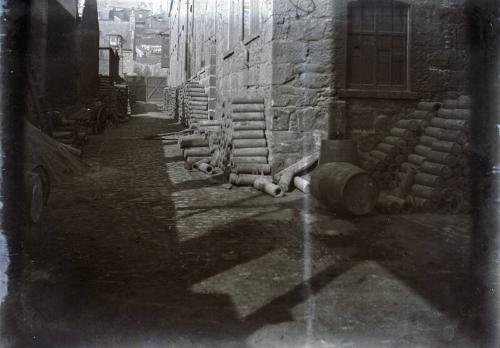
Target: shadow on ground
(107, 267)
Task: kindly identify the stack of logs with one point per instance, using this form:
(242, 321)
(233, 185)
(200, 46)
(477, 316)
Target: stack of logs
(385, 161)
(441, 160)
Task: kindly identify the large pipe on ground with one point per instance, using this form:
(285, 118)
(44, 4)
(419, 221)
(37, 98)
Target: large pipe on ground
(302, 184)
(265, 185)
(285, 177)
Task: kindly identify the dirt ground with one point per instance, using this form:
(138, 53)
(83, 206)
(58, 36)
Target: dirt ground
(140, 252)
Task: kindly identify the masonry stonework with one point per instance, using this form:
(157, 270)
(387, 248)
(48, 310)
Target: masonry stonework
(298, 60)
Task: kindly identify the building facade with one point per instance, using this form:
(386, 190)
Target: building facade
(315, 61)
(142, 32)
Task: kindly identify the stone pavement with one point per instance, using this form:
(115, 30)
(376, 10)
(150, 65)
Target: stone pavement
(142, 253)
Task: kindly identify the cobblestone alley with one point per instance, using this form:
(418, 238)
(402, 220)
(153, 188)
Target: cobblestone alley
(140, 252)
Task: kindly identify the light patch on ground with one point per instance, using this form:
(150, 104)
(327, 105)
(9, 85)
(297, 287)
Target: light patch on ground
(369, 301)
(273, 275)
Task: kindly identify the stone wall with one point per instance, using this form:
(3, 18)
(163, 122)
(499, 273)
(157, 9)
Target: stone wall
(297, 61)
(302, 77)
(436, 67)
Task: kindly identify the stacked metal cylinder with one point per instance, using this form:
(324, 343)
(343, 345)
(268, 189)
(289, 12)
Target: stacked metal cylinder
(248, 156)
(239, 146)
(195, 148)
(441, 160)
(386, 160)
(196, 103)
(236, 143)
(170, 102)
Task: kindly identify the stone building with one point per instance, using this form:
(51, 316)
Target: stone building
(142, 34)
(312, 59)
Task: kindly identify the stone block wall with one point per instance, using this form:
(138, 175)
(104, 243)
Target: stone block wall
(302, 77)
(297, 60)
(437, 60)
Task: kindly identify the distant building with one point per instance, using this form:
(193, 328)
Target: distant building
(142, 37)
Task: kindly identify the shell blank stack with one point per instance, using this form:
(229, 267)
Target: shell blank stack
(170, 102)
(384, 162)
(195, 148)
(196, 103)
(245, 132)
(441, 160)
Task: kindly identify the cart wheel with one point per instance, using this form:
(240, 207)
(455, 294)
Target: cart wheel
(35, 199)
(100, 120)
(44, 176)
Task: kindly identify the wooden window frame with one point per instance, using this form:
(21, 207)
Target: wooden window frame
(406, 35)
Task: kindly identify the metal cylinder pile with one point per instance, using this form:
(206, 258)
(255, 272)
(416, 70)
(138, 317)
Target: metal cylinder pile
(170, 102)
(245, 141)
(384, 163)
(195, 148)
(441, 160)
(193, 104)
(423, 164)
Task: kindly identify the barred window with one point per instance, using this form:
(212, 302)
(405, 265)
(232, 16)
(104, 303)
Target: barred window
(377, 44)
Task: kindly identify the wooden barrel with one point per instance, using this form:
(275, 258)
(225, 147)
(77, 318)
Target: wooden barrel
(344, 188)
(338, 151)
